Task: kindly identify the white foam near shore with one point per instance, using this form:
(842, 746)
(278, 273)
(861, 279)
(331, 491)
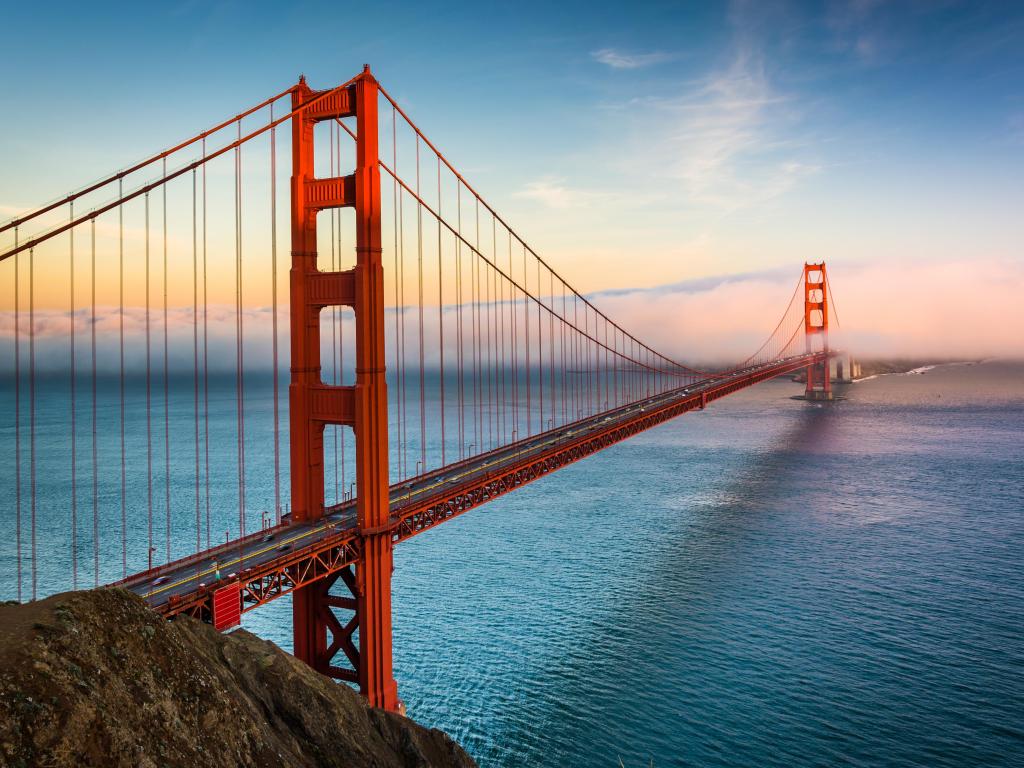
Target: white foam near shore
(916, 371)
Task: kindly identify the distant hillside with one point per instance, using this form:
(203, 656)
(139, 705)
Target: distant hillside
(871, 367)
(97, 679)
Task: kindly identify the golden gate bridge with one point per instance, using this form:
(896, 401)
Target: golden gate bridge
(452, 360)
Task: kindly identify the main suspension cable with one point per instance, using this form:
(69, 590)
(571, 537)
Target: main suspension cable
(146, 188)
(120, 175)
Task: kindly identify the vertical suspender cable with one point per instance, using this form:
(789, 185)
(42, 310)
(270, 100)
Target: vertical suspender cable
(606, 368)
(74, 415)
(495, 335)
(562, 349)
(540, 354)
(460, 359)
(526, 333)
(167, 387)
(239, 338)
(403, 426)
(615, 369)
(577, 400)
(339, 321)
(273, 319)
(591, 361)
(487, 371)
(478, 432)
(95, 455)
(499, 332)
(335, 258)
(473, 338)
(492, 356)
(419, 274)
(493, 317)
(440, 308)
(398, 306)
(17, 410)
(206, 366)
(474, 379)
(513, 298)
(551, 343)
(32, 406)
(195, 358)
(620, 384)
(485, 352)
(149, 401)
(595, 364)
(124, 456)
(474, 409)
(501, 325)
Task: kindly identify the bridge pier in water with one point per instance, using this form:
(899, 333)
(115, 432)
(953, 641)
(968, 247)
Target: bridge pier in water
(362, 407)
(819, 383)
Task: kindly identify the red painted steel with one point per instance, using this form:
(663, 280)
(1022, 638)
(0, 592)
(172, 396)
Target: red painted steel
(373, 575)
(819, 383)
(227, 607)
(362, 407)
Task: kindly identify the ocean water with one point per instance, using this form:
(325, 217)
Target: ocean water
(765, 583)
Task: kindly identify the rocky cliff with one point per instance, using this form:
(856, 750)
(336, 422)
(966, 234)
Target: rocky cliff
(97, 679)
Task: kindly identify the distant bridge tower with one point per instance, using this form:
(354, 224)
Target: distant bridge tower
(313, 404)
(819, 384)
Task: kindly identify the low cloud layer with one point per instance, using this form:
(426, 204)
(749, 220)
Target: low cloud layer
(617, 59)
(952, 309)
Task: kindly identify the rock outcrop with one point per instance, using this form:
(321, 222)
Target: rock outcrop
(97, 679)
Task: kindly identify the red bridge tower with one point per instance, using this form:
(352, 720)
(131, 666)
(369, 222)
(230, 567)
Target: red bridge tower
(313, 404)
(819, 382)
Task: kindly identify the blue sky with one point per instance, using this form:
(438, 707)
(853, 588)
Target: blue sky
(634, 145)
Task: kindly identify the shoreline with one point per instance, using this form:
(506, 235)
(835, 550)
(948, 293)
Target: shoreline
(878, 368)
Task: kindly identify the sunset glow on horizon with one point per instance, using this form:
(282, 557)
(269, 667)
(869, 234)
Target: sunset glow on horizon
(657, 158)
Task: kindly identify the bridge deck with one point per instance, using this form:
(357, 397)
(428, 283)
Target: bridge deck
(277, 560)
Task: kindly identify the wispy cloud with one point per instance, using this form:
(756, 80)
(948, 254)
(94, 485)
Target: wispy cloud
(553, 193)
(617, 59)
(728, 137)
(1016, 127)
(856, 28)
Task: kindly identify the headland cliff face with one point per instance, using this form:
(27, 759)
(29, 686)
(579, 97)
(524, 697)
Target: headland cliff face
(97, 679)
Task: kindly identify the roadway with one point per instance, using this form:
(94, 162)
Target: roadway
(183, 577)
